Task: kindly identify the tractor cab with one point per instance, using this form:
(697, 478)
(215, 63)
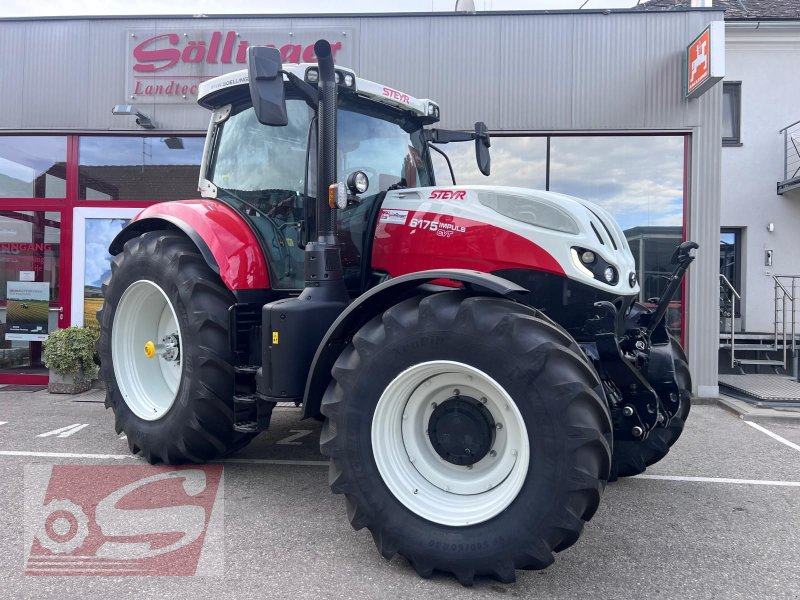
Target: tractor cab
(268, 172)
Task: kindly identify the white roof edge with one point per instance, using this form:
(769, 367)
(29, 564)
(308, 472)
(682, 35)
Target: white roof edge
(376, 91)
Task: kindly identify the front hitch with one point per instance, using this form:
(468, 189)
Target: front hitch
(683, 257)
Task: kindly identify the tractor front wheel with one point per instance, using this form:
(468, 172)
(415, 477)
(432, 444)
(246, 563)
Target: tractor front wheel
(467, 434)
(165, 353)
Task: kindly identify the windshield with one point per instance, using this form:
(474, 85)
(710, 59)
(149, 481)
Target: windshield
(262, 170)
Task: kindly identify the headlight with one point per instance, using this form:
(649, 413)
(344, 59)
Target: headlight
(597, 268)
(529, 210)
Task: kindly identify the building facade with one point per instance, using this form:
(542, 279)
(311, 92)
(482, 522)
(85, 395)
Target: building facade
(760, 216)
(590, 103)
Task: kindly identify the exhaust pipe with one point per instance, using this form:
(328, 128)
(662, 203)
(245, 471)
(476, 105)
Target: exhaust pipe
(294, 327)
(326, 142)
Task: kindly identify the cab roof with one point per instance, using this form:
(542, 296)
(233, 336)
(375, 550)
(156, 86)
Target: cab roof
(220, 91)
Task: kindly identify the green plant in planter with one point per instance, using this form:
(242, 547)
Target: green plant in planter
(71, 352)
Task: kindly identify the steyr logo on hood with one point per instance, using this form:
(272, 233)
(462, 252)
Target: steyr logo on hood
(447, 195)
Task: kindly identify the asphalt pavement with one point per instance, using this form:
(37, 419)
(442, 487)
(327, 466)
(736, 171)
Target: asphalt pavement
(717, 518)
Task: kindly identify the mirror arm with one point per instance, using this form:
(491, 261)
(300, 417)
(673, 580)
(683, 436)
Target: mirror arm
(447, 158)
(445, 136)
(309, 92)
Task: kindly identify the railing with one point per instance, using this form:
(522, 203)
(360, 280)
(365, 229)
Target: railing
(791, 157)
(785, 291)
(734, 296)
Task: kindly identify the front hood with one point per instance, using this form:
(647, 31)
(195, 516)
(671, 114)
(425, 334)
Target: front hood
(556, 222)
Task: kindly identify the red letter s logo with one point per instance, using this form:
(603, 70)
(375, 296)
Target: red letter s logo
(148, 57)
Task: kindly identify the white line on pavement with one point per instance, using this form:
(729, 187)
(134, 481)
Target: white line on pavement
(3, 422)
(243, 461)
(774, 436)
(66, 455)
(719, 480)
(269, 461)
(65, 431)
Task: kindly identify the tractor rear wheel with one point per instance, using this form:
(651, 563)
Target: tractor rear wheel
(632, 458)
(165, 353)
(467, 434)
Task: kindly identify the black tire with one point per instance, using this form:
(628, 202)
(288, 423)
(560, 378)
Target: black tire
(558, 395)
(199, 425)
(632, 458)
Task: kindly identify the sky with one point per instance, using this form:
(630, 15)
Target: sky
(26, 8)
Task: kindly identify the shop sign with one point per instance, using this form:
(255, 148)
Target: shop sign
(704, 63)
(166, 67)
(27, 310)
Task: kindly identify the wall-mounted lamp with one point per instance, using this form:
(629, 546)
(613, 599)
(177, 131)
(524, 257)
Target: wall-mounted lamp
(770, 227)
(129, 109)
(173, 143)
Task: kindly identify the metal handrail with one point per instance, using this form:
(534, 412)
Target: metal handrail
(791, 296)
(789, 137)
(780, 285)
(784, 296)
(789, 126)
(733, 316)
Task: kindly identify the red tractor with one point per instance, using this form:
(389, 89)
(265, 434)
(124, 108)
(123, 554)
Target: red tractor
(477, 353)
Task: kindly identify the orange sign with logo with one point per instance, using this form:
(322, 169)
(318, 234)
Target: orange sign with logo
(699, 61)
(705, 60)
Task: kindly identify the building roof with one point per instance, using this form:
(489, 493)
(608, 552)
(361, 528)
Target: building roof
(735, 10)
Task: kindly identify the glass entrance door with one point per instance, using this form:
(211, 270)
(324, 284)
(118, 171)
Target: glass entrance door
(32, 290)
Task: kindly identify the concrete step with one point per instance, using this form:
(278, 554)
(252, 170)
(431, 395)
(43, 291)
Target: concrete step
(758, 361)
(754, 347)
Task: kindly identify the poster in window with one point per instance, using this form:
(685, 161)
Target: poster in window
(27, 310)
(97, 263)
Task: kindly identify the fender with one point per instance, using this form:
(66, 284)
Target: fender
(225, 240)
(378, 299)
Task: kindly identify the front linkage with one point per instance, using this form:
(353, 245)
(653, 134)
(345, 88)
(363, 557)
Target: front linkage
(634, 357)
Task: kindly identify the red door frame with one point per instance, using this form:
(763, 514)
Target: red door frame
(64, 207)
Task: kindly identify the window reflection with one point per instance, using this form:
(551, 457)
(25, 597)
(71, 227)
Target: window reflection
(33, 166)
(639, 180)
(516, 161)
(139, 168)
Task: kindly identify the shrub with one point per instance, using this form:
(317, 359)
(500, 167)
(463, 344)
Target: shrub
(71, 351)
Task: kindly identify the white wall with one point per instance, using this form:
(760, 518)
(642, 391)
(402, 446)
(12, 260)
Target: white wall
(766, 62)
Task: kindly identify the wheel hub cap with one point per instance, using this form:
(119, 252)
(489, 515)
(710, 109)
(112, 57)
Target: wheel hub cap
(461, 430)
(148, 373)
(450, 443)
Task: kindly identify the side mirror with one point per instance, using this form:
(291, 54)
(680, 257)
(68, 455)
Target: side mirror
(266, 85)
(482, 144)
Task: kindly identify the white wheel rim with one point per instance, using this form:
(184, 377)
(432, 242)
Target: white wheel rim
(149, 386)
(418, 476)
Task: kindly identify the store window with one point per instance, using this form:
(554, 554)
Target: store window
(639, 180)
(731, 113)
(516, 161)
(29, 287)
(33, 166)
(139, 168)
